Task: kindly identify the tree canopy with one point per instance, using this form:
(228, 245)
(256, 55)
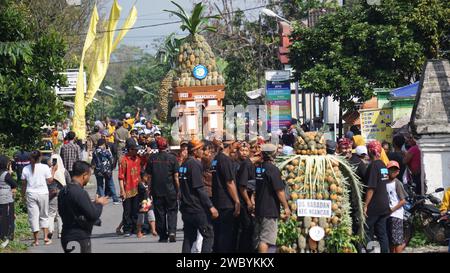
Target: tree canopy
(30, 67)
(360, 47)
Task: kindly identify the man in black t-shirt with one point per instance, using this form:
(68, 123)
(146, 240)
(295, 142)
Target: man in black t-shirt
(225, 198)
(196, 207)
(270, 192)
(78, 213)
(162, 169)
(376, 207)
(245, 174)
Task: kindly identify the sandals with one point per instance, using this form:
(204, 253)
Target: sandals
(48, 242)
(35, 244)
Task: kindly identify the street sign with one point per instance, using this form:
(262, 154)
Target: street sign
(376, 124)
(278, 99)
(71, 88)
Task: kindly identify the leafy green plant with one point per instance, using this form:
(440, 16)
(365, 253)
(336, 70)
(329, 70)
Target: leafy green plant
(287, 233)
(339, 240)
(196, 23)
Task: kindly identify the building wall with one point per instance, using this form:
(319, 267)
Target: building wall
(402, 109)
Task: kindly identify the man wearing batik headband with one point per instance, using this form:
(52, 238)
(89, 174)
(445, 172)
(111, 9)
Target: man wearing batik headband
(345, 148)
(225, 197)
(376, 206)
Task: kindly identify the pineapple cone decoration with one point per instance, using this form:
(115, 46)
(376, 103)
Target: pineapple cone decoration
(196, 51)
(164, 91)
(312, 174)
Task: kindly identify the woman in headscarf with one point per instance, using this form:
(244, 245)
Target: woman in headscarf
(60, 179)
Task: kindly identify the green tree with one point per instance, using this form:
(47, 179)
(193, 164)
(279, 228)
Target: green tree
(147, 75)
(29, 70)
(359, 47)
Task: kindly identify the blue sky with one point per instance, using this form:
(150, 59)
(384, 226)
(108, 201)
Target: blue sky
(151, 12)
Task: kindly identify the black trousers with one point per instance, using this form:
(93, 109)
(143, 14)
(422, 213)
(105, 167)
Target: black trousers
(244, 232)
(224, 231)
(202, 223)
(83, 245)
(166, 210)
(130, 214)
(377, 225)
(7, 221)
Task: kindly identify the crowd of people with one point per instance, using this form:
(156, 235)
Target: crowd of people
(229, 192)
(385, 172)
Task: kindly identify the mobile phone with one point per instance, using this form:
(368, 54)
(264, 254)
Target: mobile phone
(54, 161)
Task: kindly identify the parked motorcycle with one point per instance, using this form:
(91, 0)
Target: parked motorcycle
(417, 210)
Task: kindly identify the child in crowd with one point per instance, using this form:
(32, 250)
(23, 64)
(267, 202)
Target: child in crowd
(145, 208)
(397, 196)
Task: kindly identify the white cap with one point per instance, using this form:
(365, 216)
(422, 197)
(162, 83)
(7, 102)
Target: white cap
(128, 115)
(361, 150)
(157, 132)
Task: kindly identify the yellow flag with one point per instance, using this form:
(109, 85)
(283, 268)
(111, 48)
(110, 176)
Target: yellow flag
(101, 64)
(79, 120)
(129, 22)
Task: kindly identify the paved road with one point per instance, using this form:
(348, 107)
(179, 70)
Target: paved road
(105, 240)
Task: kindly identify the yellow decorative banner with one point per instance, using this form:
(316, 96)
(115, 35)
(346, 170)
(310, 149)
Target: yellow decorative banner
(102, 60)
(79, 119)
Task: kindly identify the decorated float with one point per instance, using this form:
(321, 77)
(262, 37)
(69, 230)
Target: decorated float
(324, 195)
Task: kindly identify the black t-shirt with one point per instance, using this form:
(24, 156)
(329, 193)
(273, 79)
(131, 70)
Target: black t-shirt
(268, 182)
(360, 166)
(223, 170)
(162, 167)
(376, 178)
(74, 202)
(190, 180)
(245, 174)
(288, 139)
(398, 156)
(142, 192)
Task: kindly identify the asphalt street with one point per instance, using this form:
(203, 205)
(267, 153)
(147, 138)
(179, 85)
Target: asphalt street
(105, 240)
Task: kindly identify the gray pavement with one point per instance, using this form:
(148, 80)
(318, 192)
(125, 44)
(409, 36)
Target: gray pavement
(105, 240)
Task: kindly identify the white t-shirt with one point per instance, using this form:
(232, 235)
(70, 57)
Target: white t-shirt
(394, 200)
(37, 181)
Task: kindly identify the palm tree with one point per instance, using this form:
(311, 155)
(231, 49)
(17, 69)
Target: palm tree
(167, 55)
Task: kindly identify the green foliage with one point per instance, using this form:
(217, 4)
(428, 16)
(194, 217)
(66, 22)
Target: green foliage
(287, 233)
(170, 49)
(359, 47)
(339, 240)
(29, 69)
(147, 75)
(196, 23)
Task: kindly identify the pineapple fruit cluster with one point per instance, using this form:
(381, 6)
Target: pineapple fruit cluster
(310, 143)
(317, 177)
(196, 51)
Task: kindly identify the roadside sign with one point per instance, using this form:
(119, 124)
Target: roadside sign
(71, 88)
(313, 208)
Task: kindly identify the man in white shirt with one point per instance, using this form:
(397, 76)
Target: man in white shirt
(150, 129)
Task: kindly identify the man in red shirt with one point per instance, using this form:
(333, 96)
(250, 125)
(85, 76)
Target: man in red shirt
(412, 159)
(129, 176)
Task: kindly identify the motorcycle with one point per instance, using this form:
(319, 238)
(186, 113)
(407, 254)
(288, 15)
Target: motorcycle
(416, 210)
